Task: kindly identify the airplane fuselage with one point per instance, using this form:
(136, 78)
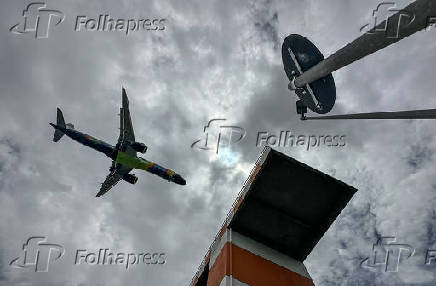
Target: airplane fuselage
(120, 157)
(143, 164)
(88, 140)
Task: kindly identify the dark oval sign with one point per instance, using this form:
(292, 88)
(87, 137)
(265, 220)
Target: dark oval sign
(299, 55)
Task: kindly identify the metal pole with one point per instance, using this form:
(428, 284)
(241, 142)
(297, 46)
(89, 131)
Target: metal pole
(412, 114)
(422, 10)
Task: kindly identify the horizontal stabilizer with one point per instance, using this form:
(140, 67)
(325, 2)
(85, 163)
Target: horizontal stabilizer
(57, 135)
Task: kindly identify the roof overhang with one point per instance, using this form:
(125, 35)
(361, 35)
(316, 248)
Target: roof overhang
(289, 205)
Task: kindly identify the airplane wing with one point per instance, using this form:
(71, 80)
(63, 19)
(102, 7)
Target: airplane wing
(126, 128)
(117, 173)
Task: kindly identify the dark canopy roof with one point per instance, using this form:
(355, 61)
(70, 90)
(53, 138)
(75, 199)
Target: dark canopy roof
(289, 205)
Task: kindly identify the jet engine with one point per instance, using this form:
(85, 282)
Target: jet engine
(139, 147)
(130, 178)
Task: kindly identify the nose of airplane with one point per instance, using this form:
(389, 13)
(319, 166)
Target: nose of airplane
(179, 180)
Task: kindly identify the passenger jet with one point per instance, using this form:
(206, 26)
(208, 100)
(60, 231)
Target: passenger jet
(123, 154)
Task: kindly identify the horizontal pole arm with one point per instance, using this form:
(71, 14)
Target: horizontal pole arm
(411, 114)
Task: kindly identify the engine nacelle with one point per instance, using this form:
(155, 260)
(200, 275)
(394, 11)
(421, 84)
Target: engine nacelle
(130, 178)
(139, 147)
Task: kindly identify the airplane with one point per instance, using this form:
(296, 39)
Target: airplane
(123, 154)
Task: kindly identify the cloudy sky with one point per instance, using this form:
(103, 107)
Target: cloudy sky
(214, 59)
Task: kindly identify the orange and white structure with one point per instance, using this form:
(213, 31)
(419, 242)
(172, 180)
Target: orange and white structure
(282, 211)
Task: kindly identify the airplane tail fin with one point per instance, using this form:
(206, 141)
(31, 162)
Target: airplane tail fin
(60, 119)
(60, 122)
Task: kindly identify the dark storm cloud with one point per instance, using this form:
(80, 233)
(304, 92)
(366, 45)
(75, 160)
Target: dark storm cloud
(431, 229)
(418, 155)
(266, 22)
